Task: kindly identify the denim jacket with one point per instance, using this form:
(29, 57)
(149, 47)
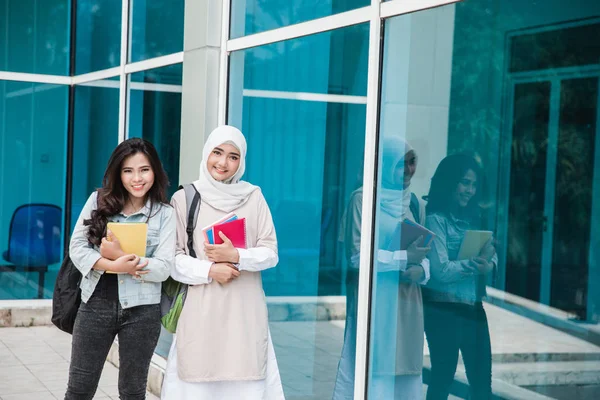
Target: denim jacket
(160, 249)
(452, 280)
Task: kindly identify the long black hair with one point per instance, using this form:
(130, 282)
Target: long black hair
(113, 195)
(443, 186)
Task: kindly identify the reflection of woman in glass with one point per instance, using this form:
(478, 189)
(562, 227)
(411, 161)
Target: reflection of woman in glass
(454, 314)
(398, 310)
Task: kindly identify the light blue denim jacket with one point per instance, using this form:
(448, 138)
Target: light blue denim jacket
(452, 280)
(160, 249)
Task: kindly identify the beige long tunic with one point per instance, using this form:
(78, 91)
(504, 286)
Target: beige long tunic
(222, 334)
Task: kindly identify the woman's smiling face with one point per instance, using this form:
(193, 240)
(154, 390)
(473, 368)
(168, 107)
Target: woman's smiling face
(223, 162)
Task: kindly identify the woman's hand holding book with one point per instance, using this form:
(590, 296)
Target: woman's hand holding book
(222, 252)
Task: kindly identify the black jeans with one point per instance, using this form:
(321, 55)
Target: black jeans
(98, 322)
(450, 327)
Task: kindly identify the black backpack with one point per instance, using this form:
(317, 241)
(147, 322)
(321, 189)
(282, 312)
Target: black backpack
(67, 296)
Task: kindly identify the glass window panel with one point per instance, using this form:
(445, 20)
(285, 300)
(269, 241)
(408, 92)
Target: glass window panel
(34, 37)
(501, 150)
(96, 135)
(98, 36)
(531, 106)
(306, 155)
(578, 127)
(264, 63)
(157, 28)
(155, 114)
(33, 136)
(254, 16)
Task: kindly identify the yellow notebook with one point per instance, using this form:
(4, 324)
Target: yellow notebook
(131, 235)
(472, 244)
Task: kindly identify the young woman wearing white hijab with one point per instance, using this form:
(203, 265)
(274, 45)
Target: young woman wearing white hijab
(397, 314)
(222, 349)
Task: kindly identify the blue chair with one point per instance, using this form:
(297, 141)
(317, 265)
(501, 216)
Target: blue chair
(34, 240)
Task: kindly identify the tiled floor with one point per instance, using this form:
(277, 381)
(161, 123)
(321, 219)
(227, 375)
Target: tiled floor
(35, 364)
(34, 361)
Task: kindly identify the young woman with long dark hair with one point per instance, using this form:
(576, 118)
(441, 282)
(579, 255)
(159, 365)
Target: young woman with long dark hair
(454, 315)
(126, 301)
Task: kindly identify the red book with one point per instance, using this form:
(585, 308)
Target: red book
(234, 230)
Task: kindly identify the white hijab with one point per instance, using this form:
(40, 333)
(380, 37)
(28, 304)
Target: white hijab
(230, 195)
(394, 197)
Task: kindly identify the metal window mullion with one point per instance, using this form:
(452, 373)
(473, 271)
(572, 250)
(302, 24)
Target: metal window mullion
(549, 202)
(35, 78)
(224, 63)
(122, 134)
(156, 62)
(594, 252)
(96, 75)
(368, 206)
(301, 29)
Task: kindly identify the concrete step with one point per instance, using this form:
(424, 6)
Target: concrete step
(549, 373)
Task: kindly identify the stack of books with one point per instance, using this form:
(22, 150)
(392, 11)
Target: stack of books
(233, 228)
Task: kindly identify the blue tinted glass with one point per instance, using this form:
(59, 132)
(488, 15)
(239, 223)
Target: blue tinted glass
(98, 36)
(157, 28)
(32, 171)
(270, 67)
(95, 136)
(491, 120)
(34, 36)
(305, 151)
(155, 114)
(253, 16)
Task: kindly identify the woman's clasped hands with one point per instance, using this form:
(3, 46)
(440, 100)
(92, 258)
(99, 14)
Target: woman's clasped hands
(223, 256)
(110, 248)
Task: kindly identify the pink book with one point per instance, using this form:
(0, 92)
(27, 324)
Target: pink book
(234, 230)
(205, 231)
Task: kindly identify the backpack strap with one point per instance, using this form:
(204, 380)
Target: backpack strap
(192, 205)
(414, 207)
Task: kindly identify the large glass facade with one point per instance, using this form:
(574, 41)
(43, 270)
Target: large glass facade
(38, 119)
(491, 121)
(488, 127)
(33, 126)
(305, 136)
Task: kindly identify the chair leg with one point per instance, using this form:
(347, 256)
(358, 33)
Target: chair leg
(41, 284)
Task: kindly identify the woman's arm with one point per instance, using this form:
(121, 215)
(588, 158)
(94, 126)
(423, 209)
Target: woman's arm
(163, 260)
(82, 252)
(442, 269)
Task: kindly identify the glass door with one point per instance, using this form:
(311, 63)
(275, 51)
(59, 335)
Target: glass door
(552, 155)
(527, 219)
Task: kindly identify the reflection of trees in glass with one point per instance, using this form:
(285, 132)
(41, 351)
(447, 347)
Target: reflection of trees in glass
(98, 39)
(34, 36)
(527, 188)
(573, 193)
